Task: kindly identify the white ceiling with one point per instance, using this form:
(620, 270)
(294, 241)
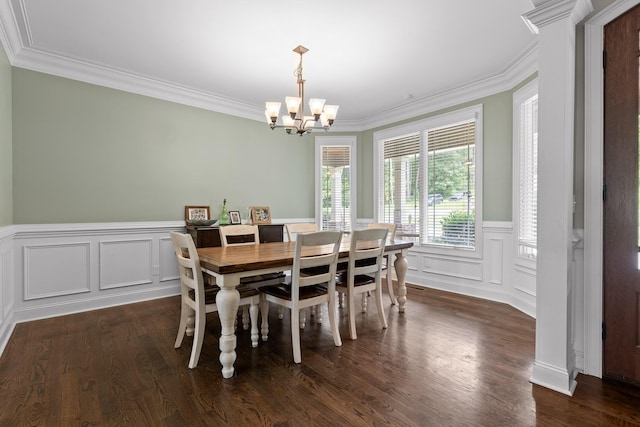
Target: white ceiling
(377, 59)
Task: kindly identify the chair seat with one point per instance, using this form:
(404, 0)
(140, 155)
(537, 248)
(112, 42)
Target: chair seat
(358, 280)
(283, 291)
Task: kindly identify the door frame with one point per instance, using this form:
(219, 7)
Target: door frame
(593, 182)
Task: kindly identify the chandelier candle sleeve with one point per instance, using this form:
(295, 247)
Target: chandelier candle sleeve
(296, 121)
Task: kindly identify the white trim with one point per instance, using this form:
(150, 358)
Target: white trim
(593, 218)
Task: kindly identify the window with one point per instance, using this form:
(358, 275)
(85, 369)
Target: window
(335, 182)
(440, 155)
(525, 169)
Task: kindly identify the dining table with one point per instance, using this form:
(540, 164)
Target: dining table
(228, 264)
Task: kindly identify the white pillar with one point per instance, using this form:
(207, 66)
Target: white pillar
(555, 23)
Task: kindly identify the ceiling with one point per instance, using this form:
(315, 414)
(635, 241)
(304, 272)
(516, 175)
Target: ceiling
(379, 60)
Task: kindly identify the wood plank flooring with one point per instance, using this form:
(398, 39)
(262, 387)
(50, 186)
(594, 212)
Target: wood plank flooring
(450, 360)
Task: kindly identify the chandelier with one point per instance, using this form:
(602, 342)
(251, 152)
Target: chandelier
(296, 121)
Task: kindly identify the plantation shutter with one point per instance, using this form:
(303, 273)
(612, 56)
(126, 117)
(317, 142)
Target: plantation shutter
(336, 188)
(400, 187)
(528, 212)
(450, 211)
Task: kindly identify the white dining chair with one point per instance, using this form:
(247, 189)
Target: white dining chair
(197, 299)
(317, 253)
(299, 227)
(363, 274)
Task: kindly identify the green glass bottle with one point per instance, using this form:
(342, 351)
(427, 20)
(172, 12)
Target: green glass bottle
(224, 214)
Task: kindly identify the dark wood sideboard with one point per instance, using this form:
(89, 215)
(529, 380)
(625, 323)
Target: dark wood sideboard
(205, 237)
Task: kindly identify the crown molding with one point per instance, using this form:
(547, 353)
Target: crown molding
(524, 66)
(51, 63)
(551, 11)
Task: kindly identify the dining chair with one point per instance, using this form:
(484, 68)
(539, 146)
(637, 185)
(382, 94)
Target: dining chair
(293, 229)
(239, 234)
(300, 227)
(246, 234)
(364, 271)
(318, 253)
(388, 258)
(198, 299)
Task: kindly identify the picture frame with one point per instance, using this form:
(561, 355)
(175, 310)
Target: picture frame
(234, 217)
(196, 214)
(260, 215)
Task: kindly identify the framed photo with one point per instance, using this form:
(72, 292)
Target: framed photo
(234, 216)
(260, 215)
(196, 214)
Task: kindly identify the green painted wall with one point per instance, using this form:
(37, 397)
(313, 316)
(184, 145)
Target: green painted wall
(6, 157)
(85, 153)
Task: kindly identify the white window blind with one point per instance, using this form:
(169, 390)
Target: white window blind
(450, 211)
(336, 187)
(401, 184)
(528, 178)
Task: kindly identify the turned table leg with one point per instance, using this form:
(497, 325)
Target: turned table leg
(401, 265)
(227, 300)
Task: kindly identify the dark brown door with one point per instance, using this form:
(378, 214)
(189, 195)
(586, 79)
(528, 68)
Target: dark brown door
(621, 357)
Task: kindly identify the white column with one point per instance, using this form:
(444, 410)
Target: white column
(555, 23)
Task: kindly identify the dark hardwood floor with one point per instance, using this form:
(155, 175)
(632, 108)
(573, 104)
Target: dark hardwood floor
(449, 360)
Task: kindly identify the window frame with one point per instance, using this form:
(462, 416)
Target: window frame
(336, 141)
(519, 97)
(474, 112)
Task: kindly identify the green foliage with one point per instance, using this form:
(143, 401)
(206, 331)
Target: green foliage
(458, 228)
(448, 172)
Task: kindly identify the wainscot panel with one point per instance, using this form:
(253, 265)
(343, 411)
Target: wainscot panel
(125, 263)
(55, 269)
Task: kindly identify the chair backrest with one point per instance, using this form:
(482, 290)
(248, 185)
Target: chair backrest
(188, 263)
(314, 251)
(296, 228)
(367, 247)
(390, 227)
(244, 234)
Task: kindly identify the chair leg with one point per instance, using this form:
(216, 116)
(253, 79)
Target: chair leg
(392, 294)
(182, 328)
(245, 317)
(280, 312)
(198, 337)
(295, 334)
(302, 318)
(351, 304)
(381, 315)
(364, 301)
(333, 321)
(319, 313)
(253, 314)
(264, 310)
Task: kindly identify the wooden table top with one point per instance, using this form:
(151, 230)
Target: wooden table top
(235, 259)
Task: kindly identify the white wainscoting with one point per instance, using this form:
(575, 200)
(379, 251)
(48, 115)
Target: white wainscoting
(66, 268)
(52, 270)
(489, 276)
